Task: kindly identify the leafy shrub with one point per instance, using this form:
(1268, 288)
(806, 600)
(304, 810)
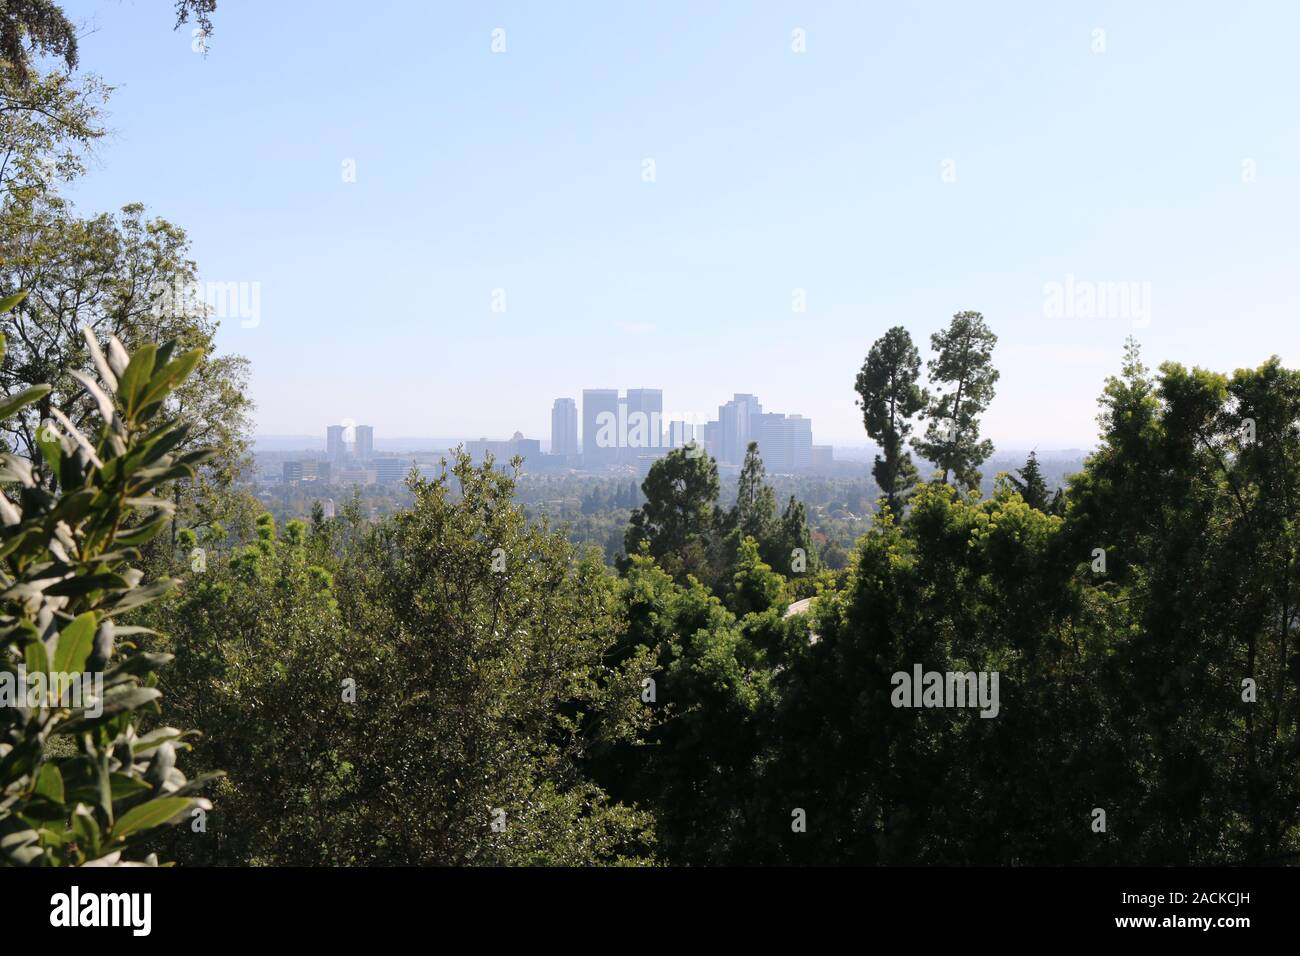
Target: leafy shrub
(79, 780)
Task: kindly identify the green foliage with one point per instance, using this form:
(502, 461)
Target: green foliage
(480, 649)
(1033, 488)
(67, 582)
(964, 366)
(890, 397)
(683, 527)
(711, 684)
(755, 586)
(754, 513)
(676, 524)
(48, 123)
(35, 26)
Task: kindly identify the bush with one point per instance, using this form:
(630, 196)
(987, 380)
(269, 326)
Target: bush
(79, 782)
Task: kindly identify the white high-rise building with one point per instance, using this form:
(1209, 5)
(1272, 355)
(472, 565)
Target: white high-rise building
(564, 427)
(599, 445)
(365, 442)
(335, 446)
(735, 423)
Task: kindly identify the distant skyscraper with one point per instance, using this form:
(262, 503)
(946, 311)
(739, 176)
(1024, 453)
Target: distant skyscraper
(365, 447)
(599, 445)
(682, 433)
(644, 417)
(335, 448)
(784, 441)
(736, 426)
(564, 427)
(710, 434)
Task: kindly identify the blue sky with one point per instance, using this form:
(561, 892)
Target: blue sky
(917, 160)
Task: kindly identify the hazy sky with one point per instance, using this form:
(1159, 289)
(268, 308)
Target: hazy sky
(918, 159)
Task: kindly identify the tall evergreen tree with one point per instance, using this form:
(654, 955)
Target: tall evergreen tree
(796, 548)
(889, 397)
(754, 513)
(1030, 484)
(964, 363)
(679, 516)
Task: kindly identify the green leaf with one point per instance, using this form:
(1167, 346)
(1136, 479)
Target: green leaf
(117, 701)
(136, 376)
(9, 301)
(49, 783)
(149, 815)
(146, 531)
(75, 642)
(125, 786)
(85, 583)
(170, 376)
(24, 398)
(143, 595)
(36, 659)
(86, 830)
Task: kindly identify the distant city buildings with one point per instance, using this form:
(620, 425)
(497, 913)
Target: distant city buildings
(622, 431)
(391, 471)
(631, 430)
(502, 451)
(344, 462)
(617, 431)
(736, 428)
(564, 427)
(644, 432)
(364, 447)
(355, 475)
(598, 405)
(784, 441)
(336, 448)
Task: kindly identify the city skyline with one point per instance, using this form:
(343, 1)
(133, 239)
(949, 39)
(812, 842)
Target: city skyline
(607, 428)
(799, 203)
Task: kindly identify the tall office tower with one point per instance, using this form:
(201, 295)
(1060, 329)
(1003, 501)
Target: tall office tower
(564, 427)
(682, 433)
(734, 421)
(365, 447)
(784, 441)
(600, 431)
(645, 427)
(801, 443)
(710, 433)
(335, 448)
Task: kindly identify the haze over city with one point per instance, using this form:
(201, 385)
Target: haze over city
(887, 173)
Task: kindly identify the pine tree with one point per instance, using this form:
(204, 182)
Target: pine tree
(678, 518)
(796, 548)
(755, 511)
(1031, 485)
(965, 364)
(889, 398)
